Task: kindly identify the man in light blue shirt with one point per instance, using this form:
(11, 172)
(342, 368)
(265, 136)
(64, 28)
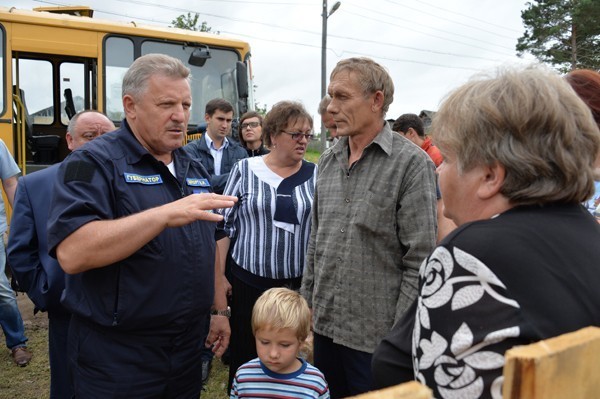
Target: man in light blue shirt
(10, 317)
(216, 151)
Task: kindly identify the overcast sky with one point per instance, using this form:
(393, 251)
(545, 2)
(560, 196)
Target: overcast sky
(429, 47)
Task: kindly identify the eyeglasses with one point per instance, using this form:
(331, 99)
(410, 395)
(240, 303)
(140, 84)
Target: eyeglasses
(250, 124)
(297, 135)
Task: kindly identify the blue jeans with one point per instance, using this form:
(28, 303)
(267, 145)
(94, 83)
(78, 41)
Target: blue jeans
(10, 317)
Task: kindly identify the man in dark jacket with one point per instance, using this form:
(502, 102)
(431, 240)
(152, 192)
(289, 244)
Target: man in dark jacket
(37, 272)
(214, 149)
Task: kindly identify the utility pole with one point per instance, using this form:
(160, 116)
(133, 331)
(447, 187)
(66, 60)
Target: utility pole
(325, 14)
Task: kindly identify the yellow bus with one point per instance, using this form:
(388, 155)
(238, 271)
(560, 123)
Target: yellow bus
(57, 61)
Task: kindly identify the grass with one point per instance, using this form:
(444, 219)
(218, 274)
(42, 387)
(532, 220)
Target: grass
(33, 381)
(312, 155)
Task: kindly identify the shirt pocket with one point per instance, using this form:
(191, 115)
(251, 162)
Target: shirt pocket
(378, 213)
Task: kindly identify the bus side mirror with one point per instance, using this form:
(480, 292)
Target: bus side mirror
(199, 56)
(242, 79)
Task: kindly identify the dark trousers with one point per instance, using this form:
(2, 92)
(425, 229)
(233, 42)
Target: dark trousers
(107, 365)
(347, 371)
(242, 347)
(58, 331)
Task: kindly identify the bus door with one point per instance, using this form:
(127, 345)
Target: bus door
(47, 91)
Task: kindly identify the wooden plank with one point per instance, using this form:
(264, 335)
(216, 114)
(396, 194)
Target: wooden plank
(567, 366)
(408, 390)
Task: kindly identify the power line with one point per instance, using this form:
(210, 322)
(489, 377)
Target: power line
(140, 2)
(470, 17)
(305, 31)
(416, 30)
(269, 3)
(361, 53)
(447, 19)
(229, 18)
(425, 33)
(412, 61)
(411, 48)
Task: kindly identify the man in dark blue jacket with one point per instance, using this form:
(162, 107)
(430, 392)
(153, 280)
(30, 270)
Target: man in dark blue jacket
(37, 272)
(214, 149)
(132, 224)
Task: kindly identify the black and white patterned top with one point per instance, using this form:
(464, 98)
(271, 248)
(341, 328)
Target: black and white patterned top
(528, 274)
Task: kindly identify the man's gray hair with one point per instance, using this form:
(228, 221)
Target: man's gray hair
(135, 81)
(371, 76)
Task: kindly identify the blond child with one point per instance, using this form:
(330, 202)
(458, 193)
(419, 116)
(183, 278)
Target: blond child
(281, 324)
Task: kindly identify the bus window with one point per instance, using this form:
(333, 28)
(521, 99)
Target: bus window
(207, 81)
(35, 79)
(119, 56)
(72, 77)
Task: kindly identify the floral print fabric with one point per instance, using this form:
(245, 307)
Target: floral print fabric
(531, 273)
(458, 352)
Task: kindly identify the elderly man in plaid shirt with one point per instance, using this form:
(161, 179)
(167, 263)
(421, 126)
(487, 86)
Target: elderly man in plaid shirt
(374, 221)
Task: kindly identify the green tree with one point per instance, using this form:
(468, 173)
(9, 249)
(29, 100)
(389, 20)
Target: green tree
(261, 110)
(563, 33)
(189, 22)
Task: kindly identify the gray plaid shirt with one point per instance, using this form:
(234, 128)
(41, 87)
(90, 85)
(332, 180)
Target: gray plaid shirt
(373, 225)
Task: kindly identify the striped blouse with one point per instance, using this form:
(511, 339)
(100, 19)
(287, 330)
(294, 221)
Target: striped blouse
(271, 220)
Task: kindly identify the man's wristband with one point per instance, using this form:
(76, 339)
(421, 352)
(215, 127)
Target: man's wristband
(224, 312)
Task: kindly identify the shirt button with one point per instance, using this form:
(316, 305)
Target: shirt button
(343, 230)
(347, 200)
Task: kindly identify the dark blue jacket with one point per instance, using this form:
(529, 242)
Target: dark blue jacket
(166, 285)
(232, 154)
(38, 273)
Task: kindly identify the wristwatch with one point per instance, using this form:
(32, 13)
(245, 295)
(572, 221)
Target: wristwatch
(224, 312)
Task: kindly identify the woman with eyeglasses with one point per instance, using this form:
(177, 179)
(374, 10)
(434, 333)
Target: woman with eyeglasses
(269, 227)
(250, 134)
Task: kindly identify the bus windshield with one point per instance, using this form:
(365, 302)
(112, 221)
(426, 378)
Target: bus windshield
(215, 79)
